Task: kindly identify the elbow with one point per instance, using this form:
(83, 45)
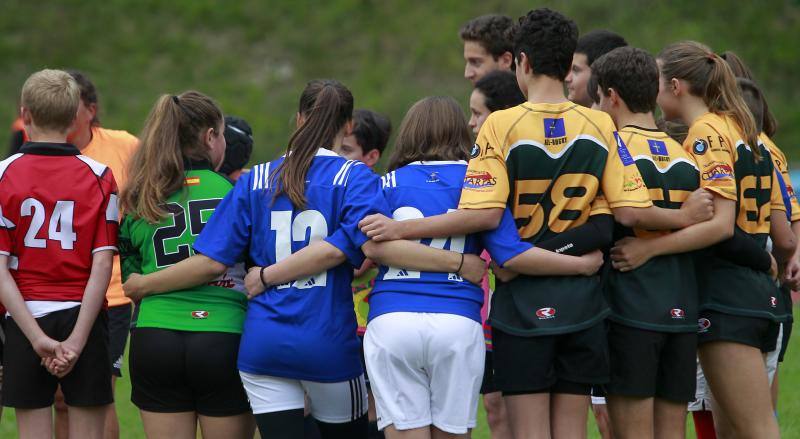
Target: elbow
(726, 231)
(626, 216)
(215, 268)
(491, 220)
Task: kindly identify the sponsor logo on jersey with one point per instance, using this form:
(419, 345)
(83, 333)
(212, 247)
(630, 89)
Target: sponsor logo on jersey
(773, 301)
(677, 313)
(699, 147)
(433, 178)
(546, 313)
(632, 183)
(718, 171)
(555, 132)
(479, 180)
(703, 324)
(191, 181)
(624, 155)
(475, 151)
(658, 150)
(199, 314)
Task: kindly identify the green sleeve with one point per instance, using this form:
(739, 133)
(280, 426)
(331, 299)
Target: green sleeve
(130, 258)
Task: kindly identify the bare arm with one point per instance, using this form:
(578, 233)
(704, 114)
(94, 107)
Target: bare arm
(698, 207)
(458, 222)
(784, 242)
(540, 262)
(631, 253)
(15, 304)
(196, 270)
(93, 297)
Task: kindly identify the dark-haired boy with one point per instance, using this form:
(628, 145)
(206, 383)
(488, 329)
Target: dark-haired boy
(487, 46)
(548, 160)
(590, 46)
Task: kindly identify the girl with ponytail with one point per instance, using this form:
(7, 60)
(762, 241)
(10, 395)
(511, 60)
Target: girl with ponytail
(185, 343)
(737, 305)
(296, 220)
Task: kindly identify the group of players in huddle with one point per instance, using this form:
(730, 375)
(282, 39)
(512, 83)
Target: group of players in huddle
(244, 292)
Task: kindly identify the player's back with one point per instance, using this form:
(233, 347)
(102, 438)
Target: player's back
(58, 208)
(311, 317)
(419, 190)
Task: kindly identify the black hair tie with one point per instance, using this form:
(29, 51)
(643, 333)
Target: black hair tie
(176, 100)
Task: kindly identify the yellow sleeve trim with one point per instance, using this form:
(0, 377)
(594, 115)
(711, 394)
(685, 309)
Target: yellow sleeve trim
(481, 204)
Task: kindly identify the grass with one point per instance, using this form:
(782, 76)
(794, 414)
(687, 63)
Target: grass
(788, 405)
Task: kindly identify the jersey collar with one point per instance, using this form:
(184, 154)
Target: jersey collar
(48, 148)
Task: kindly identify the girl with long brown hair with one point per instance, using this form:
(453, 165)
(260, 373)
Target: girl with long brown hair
(185, 343)
(296, 218)
(737, 315)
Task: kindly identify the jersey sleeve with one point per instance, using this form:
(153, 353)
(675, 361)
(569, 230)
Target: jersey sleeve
(779, 197)
(503, 243)
(107, 229)
(6, 230)
(486, 183)
(226, 235)
(129, 254)
(715, 161)
(600, 206)
(622, 184)
(362, 197)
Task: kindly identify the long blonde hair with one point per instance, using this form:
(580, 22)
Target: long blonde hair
(172, 133)
(711, 79)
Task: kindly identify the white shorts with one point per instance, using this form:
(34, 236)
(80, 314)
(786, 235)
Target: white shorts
(772, 356)
(425, 369)
(703, 399)
(334, 403)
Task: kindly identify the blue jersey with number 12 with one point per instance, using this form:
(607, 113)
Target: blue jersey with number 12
(424, 189)
(307, 329)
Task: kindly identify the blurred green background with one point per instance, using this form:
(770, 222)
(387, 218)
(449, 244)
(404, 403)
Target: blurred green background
(254, 57)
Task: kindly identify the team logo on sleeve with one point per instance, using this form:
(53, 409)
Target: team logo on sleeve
(555, 132)
(624, 155)
(546, 313)
(717, 171)
(475, 151)
(699, 147)
(479, 180)
(677, 313)
(632, 183)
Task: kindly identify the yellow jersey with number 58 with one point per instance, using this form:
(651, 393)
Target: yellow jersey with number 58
(548, 163)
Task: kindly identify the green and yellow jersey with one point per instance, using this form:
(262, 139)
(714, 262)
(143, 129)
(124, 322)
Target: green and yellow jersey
(661, 295)
(549, 163)
(729, 169)
(218, 306)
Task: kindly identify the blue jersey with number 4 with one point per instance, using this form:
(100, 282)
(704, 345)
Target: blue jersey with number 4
(424, 189)
(307, 329)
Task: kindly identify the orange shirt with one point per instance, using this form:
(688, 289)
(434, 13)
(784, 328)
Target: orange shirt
(114, 149)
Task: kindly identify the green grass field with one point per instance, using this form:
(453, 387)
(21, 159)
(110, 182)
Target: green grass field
(788, 406)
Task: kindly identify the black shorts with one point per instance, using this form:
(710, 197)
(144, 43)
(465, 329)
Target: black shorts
(787, 333)
(185, 371)
(751, 331)
(564, 363)
(364, 362)
(652, 364)
(28, 385)
(119, 326)
(488, 385)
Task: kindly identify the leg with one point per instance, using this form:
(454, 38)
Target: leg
(414, 433)
(568, 415)
(345, 430)
(603, 421)
(112, 422)
(372, 414)
(169, 425)
(62, 416)
(222, 427)
(497, 415)
(773, 389)
(735, 369)
(35, 423)
(631, 417)
(529, 415)
(287, 424)
(87, 422)
(439, 434)
(670, 419)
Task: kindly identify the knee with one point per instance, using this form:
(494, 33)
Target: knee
(495, 409)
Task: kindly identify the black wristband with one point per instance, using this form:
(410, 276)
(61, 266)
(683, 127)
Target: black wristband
(261, 276)
(461, 265)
